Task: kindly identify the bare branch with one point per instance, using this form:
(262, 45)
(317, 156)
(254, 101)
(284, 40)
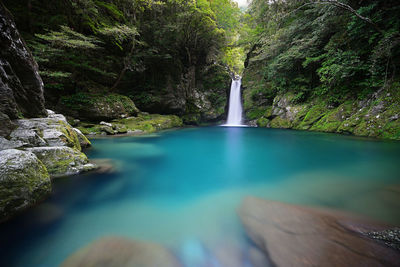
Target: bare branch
(353, 11)
(339, 5)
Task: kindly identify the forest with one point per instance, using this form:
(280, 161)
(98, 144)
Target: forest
(175, 57)
(160, 54)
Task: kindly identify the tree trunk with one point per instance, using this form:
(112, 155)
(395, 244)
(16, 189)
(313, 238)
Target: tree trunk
(125, 68)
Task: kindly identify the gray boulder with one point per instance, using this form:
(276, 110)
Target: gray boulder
(24, 181)
(51, 131)
(62, 161)
(8, 144)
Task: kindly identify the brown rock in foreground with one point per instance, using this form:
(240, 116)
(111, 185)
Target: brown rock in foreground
(300, 236)
(120, 252)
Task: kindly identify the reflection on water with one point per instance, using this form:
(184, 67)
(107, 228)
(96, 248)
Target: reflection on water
(182, 189)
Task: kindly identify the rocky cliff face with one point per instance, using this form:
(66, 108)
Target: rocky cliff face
(198, 94)
(21, 88)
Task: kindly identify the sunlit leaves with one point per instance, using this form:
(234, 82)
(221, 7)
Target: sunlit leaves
(69, 38)
(119, 34)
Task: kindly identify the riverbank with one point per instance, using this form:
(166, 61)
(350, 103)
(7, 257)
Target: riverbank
(377, 116)
(143, 123)
(39, 150)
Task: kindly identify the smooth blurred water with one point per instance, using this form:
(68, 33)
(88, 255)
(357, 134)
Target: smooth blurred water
(182, 188)
(235, 104)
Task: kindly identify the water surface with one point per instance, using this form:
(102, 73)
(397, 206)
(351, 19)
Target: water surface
(182, 188)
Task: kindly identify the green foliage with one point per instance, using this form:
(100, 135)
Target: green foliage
(322, 50)
(74, 101)
(68, 38)
(119, 34)
(56, 74)
(234, 58)
(143, 48)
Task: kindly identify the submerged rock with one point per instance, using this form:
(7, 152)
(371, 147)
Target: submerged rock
(106, 166)
(119, 252)
(62, 161)
(23, 181)
(300, 236)
(194, 253)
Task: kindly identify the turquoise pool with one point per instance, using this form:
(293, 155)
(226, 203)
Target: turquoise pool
(182, 188)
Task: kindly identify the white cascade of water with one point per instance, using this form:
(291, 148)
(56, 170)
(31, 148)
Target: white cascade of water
(235, 104)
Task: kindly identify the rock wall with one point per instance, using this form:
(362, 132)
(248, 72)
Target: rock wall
(21, 88)
(198, 95)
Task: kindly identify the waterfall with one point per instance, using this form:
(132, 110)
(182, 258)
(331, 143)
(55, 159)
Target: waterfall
(235, 104)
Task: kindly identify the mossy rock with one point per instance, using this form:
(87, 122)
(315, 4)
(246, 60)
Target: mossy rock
(98, 107)
(328, 123)
(262, 122)
(62, 161)
(391, 130)
(299, 117)
(279, 122)
(353, 125)
(90, 130)
(120, 128)
(51, 131)
(107, 129)
(315, 113)
(143, 123)
(83, 141)
(192, 119)
(149, 123)
(24, 181)
(70, 135)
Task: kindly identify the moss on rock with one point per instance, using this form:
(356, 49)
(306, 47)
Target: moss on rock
(143, 123)
(279, 122)
(262, 122)
(84, 142)
(24, 181)
(377, 116)
(149, 123)
(315, 113)
(62, 161)
(95, 107)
